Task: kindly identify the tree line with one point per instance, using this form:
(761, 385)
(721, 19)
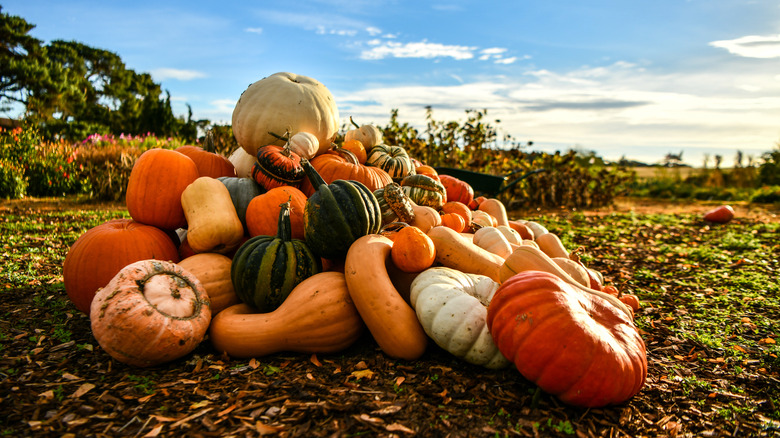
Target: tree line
(71, 90)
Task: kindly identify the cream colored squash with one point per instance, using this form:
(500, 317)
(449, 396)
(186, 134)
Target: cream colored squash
(493, 240)
(452, 308)
(243, 162)
(369, 135)
(284, 102)
(304, 144)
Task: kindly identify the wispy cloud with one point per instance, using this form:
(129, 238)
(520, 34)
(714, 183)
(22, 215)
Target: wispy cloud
(257, 30)
(421, 49)
(619, 109)
(752, 46)
(161, 74)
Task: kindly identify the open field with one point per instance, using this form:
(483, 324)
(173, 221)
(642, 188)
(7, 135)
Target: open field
(710, 306)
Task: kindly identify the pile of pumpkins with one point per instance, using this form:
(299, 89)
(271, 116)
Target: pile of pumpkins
(294, 243)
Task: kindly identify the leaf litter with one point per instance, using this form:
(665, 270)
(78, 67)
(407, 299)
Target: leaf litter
(709, 311)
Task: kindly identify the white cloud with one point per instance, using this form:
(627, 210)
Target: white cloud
(422, 49)
(161, 74)
(373, 31)
(506, 60)
(257, 30)
(620, 109)
(752, 46)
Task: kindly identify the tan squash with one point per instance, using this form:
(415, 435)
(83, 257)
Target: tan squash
(483, 219)
(511, 235)
(574, 269)
(495, 208)
(493, 240)
(390, 319)
(425, 217)
(213, 272)
(528, 258)
(213, 224)
(551, 245)
(455, 251)
(317, 317)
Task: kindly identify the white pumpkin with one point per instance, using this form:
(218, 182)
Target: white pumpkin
(452, 308)
(284, 102)
(493, 240)
(243, 162)
(304, 144)
(369, 135)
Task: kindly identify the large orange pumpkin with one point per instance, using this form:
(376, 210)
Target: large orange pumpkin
(341, 164)
(572, 344)
(102, 251)
(208, 163)
(158, 178)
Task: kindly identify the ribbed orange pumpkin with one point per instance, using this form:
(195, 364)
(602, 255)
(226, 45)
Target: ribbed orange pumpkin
(341, 164)
(158, 178)
(102, 251)
(208, 163)
(457, 190)
(572, 344)
(262, 213)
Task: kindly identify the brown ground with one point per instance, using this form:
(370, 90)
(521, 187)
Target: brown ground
(52, 388)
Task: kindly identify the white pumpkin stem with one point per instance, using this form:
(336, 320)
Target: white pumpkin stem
(353, 122)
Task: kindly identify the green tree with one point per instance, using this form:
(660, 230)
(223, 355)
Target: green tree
(72, 90)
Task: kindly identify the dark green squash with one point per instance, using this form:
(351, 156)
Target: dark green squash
(265, 269)
(242, 191)
(337, 214)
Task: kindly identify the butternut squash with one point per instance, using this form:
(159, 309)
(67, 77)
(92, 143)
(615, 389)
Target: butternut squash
(212, 222)
(495, 208)
(392, 322)
(213, 272)
(425, 217)
(317, 317)
(454, 251)
(551, 245)
(574, 269)
(528, 258)
(493, 240)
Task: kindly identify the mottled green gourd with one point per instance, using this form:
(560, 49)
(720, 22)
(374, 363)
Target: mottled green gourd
(265, 269)
(337, 214)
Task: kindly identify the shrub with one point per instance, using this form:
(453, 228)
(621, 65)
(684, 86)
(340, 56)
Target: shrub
(766, 195)
(33, 167)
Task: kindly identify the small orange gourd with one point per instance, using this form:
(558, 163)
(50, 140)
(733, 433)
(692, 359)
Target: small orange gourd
(413, 250)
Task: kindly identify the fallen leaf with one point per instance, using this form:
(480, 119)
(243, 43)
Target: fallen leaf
(154, 432)
(313, 359)
(83, 389)
(368, 374)
(398, 427)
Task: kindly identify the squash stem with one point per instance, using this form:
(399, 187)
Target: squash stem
(353, 122)
(311, 173)
(284, 227)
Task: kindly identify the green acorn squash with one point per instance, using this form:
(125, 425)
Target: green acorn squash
(337, 214)
(265, 269)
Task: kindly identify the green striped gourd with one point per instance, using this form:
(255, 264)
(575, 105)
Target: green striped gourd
(392, 159)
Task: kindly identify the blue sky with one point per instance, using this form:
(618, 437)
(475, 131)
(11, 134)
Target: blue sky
(622, 78)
